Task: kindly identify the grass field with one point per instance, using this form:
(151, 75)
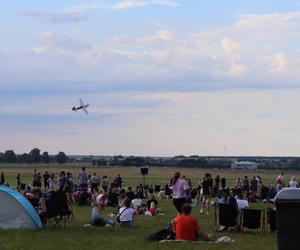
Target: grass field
(75, 236)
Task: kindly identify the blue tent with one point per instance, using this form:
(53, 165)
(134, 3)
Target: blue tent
(16, 212)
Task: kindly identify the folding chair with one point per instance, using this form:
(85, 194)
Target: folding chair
(227, 215)
(252, 219)
(57, 209)
(34, 203)
(271, 219)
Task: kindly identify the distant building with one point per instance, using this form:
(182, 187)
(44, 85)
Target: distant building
(244, 165)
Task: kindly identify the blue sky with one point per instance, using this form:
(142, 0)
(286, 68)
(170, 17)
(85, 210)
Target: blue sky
(163, 77)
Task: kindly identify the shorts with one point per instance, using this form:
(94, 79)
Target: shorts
(178, 203)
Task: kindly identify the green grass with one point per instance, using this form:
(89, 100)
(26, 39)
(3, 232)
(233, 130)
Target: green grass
(75, 236)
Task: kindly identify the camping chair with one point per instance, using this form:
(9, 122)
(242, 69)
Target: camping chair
(271, 219)
(252, 219)
(227, 215)
(57, 209)
(34, 203)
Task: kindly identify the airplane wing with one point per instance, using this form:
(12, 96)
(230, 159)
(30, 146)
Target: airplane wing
(81, 102)
(85, 110)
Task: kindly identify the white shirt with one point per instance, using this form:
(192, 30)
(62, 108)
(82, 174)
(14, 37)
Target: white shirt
(127, 215)
(95, 213)
(136, 203)
(162, 194)
(293, 184)
(52, 184)
(98, 198)
(242, 204)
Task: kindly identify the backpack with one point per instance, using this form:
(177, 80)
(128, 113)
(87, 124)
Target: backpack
(162, 235)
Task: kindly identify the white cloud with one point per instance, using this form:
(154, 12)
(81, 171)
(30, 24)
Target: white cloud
(230, 46)
(125, 4)
(272, 20)
(64, 17)
(279, 63)
(40, 49)
(218, 58)
(237, 70)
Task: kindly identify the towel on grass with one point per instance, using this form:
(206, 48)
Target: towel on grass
(223, 239)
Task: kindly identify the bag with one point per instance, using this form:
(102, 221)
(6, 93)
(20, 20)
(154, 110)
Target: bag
(161, 235)
(118, 217)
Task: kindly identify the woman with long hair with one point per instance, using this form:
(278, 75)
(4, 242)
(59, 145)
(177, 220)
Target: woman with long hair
(207, 186)
(179, 187)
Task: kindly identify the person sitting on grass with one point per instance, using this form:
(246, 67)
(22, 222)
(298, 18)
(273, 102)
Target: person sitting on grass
(127, 214)
(186, 226)
(97, 220)
(137, 203)
(162, 194)
(152, 199)
(42, 209)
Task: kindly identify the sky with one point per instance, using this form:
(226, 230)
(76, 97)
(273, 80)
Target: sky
(162, 77)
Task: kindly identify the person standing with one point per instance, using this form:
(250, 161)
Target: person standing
(259, 185)
(2, 179)
(280, 181)
(245, 184)
(39, 180)
(46, 176)
(83, 178)
(35, 178)
(293, 182)
(119, 181)
(238, 183)
(95, 182)
(52, 183)
(105, 183)
(18, 181)
(69, 189)
(62, 180)
(217, 185)
(179, 187)
(223, 182)
(207, 186)
(253, 185)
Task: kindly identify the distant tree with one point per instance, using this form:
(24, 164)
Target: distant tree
(20, 159)
(10, 156)
(194, 156)
(100, 162)
(61, 158)
(34, 156)
(45, 157)
(2, 157)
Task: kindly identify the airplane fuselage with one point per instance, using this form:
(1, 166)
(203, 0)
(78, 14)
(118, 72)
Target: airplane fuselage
(80, 107)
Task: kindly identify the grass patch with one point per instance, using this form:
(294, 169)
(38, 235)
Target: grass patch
(75, 236)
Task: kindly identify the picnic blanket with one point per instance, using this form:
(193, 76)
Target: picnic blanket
(223, 239)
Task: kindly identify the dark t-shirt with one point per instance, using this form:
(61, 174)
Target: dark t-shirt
(130, 195)
(149, 203)
(217, 182)
(207, 185)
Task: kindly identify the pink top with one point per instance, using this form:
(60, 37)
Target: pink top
(179, 189)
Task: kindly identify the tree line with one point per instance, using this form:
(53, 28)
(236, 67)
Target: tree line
(177, 161)
(34, 156)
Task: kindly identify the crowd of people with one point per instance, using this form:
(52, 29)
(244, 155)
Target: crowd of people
(100, 192)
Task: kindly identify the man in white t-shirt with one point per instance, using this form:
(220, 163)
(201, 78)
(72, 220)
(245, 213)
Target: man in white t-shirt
(161, 194)
(136, 203)
(127, 214)
(241, 203)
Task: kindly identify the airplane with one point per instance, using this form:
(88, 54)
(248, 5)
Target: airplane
(82, 106)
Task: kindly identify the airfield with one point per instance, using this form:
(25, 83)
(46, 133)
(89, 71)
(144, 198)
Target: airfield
(76, 236)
